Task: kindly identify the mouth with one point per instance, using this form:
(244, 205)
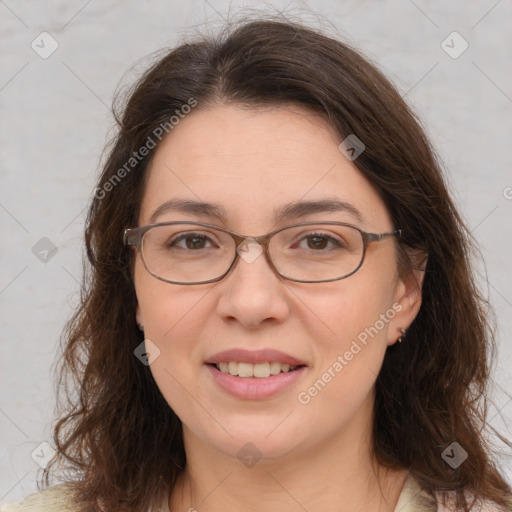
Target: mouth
(246, 381)
(258, 370)
(255, 374)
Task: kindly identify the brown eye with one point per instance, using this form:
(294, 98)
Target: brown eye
(193, 241)
(319, 241)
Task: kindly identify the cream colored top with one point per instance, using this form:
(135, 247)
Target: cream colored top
(58, 499)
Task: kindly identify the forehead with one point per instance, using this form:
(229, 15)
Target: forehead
(254, 163)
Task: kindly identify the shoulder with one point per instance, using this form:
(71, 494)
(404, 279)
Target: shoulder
(58, 498)
(480, 506)
(414, 499)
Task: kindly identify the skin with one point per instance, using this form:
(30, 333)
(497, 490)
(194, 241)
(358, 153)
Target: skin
(315, 456)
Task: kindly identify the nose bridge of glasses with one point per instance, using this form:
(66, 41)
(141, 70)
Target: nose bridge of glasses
(241, 239)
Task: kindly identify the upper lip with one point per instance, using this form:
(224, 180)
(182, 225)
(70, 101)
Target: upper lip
(241, 355)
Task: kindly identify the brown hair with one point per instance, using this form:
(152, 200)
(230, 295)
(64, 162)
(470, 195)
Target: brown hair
(119, 434)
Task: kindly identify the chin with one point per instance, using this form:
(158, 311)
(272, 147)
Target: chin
(251, 438)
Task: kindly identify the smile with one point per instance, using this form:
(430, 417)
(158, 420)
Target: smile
(245, 384)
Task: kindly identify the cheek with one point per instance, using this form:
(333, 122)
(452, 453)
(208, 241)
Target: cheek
(165, 308)
(359, 308)
(173, 318)
(368, 314)
(350, 358)
(342, 384)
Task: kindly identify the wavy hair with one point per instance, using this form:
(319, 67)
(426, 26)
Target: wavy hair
(116, 433)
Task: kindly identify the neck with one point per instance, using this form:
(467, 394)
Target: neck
(339, 475)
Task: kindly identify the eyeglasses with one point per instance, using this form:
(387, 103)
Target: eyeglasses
(196, 253)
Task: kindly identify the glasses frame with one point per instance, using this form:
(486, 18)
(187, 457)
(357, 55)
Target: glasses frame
(133, 237)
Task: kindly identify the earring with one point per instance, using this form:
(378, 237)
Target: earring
(141, 327)
(403, 334)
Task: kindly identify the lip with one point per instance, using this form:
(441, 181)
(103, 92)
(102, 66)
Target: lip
(255, 388)
(241, 355)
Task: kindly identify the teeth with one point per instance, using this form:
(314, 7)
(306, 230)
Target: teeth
(260, 370)
(275, 368)
(244, 369)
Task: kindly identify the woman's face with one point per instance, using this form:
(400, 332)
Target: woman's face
(251, 162)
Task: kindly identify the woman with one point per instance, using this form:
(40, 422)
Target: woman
(340, 362)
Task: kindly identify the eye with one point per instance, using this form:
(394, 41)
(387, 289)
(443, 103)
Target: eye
(318, 241)
(193, 241)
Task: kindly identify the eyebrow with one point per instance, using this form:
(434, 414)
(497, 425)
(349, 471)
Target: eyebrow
(286, 212)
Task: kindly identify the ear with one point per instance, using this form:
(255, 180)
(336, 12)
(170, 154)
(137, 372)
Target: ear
(407, 298)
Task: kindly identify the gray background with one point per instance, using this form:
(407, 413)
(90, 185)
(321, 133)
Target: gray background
(55, 120)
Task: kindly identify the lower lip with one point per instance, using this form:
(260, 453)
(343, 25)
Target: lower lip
(255, 388)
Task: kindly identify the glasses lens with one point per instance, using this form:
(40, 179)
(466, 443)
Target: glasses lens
(187, 253)
(317, 252)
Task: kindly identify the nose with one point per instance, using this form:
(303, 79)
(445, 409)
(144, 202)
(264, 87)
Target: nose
(252, 292)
